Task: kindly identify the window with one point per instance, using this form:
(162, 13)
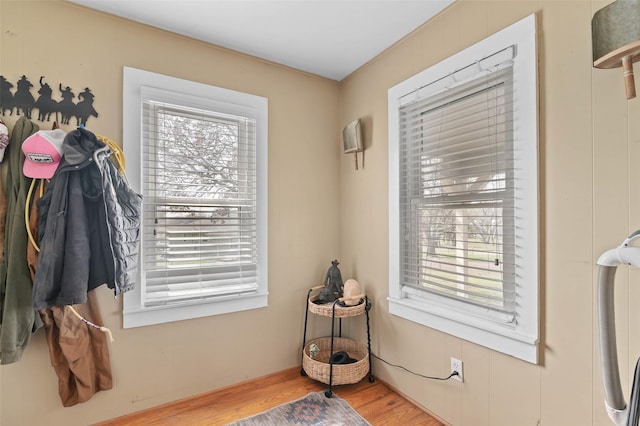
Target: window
(197, 153)
(463, 197)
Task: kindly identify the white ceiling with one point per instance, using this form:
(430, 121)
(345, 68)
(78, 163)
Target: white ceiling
(329, 38)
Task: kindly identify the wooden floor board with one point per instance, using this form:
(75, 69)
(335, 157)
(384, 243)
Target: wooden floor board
(375, 401)
(381, 407)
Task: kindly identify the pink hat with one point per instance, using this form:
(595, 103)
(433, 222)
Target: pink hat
(4, 139)
(43, 151)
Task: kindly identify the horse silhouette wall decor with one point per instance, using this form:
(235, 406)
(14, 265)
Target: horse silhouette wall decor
(22, 102)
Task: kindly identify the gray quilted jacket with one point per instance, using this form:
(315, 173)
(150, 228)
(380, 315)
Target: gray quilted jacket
(122, 206)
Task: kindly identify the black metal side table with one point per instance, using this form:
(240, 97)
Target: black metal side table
(320, 364)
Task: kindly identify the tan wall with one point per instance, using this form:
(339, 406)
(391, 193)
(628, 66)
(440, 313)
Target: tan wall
(320, 208)
(590, 200)
(152, 365)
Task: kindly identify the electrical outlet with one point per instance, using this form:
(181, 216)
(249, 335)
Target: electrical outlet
(456, 365)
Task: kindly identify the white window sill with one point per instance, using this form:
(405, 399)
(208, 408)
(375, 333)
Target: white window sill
(139, 317)
(505, 339)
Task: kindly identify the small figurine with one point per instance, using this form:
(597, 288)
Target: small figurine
(332, 284)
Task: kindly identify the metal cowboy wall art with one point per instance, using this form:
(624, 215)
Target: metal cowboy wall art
(23, 102)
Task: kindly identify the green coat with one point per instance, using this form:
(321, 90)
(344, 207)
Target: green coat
(17, 316)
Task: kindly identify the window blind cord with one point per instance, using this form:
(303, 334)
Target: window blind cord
(453, 373)
(494, 167)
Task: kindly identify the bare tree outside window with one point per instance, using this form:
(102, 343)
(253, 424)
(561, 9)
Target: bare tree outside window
(200, 157)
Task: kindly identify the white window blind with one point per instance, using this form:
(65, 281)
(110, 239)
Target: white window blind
(199, 220)
(456, 193)
(463, 194)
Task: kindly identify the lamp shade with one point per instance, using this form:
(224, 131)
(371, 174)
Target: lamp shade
(615, 33)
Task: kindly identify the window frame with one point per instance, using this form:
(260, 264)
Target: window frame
(140, 85)
(519, 339)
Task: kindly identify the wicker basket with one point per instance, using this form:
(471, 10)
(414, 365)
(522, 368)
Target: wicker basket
(326, 309)
(318, 368)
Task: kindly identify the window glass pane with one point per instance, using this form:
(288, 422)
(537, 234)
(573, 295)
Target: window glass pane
(455, 190)
(200, 210)
(460, 254)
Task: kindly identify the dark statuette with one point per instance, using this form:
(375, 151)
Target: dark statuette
(332, 284)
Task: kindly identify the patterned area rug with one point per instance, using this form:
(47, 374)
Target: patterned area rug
(313, 409)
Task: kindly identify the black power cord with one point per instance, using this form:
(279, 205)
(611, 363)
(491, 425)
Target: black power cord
(454, 373)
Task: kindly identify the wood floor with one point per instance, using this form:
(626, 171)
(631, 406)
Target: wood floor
(375, 401)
